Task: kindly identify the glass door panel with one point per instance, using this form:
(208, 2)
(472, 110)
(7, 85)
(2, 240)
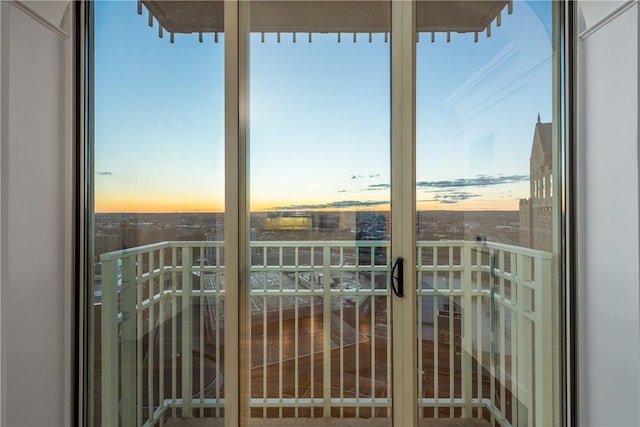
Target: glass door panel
(157, 222)
(318, 317)
(487, 213)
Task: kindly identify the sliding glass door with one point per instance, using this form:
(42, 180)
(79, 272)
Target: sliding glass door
(324, 213)
(156, 220)
(318, 306)
(488, 190)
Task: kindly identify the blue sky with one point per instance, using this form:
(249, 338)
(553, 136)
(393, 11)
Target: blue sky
(319, 116)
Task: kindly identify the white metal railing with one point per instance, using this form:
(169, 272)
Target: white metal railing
(336, 290)
(488, 307)
(319, 331)
(158, 352)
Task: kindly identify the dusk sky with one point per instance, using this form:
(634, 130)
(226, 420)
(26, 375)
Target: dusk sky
(319, 117)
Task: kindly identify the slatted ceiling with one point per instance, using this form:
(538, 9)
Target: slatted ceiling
(186, 16)
(457, 16)
(328, 16)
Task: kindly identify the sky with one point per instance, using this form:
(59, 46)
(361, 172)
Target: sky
(319, 118)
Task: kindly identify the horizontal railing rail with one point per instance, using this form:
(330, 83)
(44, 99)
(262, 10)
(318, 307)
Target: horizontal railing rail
(483, 317)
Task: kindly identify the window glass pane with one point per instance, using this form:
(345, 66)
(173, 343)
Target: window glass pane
(158, 287)
(487, 230)
(319, 196)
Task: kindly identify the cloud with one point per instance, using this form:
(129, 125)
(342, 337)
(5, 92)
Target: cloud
(340, 204)
(105, 173)
(478, 181)
(457, 196)
(378, 187)
(450, 192)
(450, 197)
(360, 176)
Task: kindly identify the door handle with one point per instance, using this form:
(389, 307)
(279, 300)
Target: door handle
(397, 277)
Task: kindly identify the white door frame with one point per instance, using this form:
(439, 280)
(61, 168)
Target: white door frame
(403, 208)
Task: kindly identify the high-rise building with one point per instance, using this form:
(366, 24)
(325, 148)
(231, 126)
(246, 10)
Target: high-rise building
(535, 212)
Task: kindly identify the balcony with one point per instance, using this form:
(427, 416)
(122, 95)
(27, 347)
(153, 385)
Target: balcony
(318, 332)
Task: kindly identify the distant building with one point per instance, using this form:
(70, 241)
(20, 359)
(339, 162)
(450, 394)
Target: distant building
(536, 211)
(106, 243)
(134, 236)
(288, 222)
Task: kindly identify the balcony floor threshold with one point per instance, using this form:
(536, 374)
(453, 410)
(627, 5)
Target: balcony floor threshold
(194, 422)
(453, 422)
(319, 422)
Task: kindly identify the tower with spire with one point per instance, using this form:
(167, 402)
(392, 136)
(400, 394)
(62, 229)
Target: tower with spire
(536, 212)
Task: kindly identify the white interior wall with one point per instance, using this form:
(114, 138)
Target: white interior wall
(34, 194)
(609, 349)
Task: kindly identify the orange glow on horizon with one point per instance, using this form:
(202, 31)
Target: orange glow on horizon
(166, 200)
(470, 205)
(168, 206)
(157, 206)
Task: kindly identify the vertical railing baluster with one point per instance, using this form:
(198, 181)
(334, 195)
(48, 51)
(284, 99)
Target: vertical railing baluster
(140, 329)
(477, 267)
(312, 285)
(515, 273)
(161, 320)
(109, 342)
(187, 332)
(219, 302)
(265, 355)
(312, 361)
(133, 299)
(357, 343)
(502, 334)
(492, 332)
(543, 340)
(341, 309)
(342, 321)
(203, 300)
(174, 329)
(296, 340)
(280, 332)
(467, 340)
(388, 341)
(326, 326)
(151, 333)
(265, 263)
(372, 349)
(436, 337)
(420, 326)
(452, 342)
(524, 337)
(280, 327)
(479, 350)
(421, 378)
